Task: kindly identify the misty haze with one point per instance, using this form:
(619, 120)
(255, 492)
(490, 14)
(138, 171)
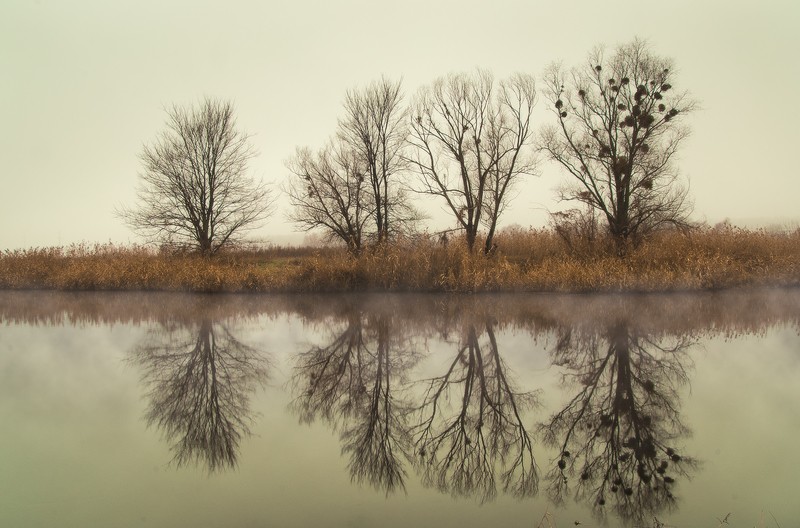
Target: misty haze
(399, 264)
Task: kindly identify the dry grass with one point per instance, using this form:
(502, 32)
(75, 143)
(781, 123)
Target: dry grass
(532, 260)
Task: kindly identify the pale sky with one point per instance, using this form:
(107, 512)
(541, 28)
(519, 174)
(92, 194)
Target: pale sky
(83, 86)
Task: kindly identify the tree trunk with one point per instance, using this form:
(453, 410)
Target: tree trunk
(205, 246)
(489, 246)
(472, 235)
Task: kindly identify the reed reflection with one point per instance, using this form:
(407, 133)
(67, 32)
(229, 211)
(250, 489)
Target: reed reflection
(199, 380)
(619, 435)
(470, 431)
(355, 383)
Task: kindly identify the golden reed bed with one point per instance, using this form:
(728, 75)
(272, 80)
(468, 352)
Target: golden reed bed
(525, 260)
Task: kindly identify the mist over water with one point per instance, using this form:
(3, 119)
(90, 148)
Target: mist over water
(394, 410)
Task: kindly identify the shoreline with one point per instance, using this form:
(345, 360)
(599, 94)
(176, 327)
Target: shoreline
(737, 287)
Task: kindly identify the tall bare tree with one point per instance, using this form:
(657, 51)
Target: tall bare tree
(195, 190)
(375, 127)
(350, 189)
(619, 129)
(472, 142)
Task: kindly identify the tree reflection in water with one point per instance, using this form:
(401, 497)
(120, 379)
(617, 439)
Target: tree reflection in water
(620, 423)
(359, 384)
(461, 447)
(618, 435)
(355, 384)
(200, 379)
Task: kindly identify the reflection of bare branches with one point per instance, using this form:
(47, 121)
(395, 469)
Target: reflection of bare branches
(376, 442)
(200, 381)
(332, 376)
(619, 431)
(351, 384)
(460, 452)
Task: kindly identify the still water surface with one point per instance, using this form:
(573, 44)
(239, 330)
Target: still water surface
(399, 410)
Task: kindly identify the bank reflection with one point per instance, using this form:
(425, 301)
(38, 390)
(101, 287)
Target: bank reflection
(619, 436)
(199, 379)
(470, 435)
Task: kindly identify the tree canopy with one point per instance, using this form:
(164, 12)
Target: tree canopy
(619, 126)
(195, 190)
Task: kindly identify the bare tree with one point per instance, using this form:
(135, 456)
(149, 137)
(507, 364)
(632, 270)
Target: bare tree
(195, 190)
(472, 143)
(619, 128)
(327, 190)
(375, 127)
(349, 190)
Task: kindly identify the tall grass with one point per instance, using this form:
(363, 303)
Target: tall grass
(525, 260)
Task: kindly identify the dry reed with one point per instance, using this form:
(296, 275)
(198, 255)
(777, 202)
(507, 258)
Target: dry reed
(525, 260)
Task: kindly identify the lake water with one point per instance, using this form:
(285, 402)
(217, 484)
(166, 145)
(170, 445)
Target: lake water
(127, 410)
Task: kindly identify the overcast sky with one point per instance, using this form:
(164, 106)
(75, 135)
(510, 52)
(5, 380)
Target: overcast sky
(84, 85)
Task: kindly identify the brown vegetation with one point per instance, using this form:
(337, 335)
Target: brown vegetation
(525, 260)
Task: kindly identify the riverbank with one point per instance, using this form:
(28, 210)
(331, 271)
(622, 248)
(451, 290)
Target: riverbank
(532, 260)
